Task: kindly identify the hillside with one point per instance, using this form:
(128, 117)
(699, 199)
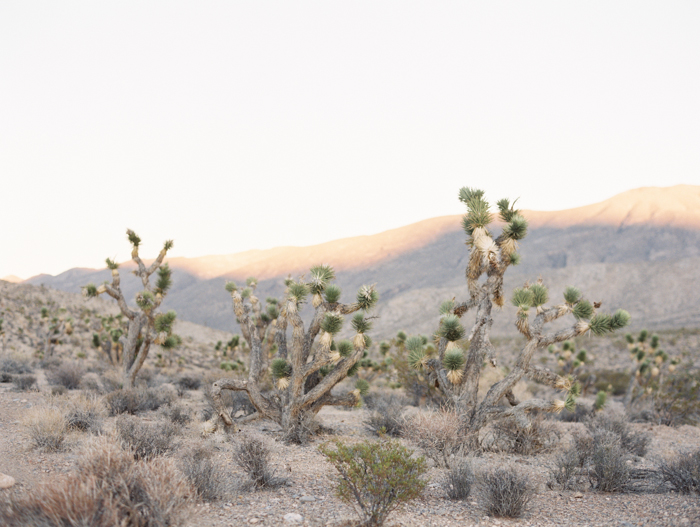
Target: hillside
(639, 250)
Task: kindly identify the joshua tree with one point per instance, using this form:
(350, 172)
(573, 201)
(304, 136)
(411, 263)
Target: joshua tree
(647, 363)
(55, 327)
(146, 324)
(304, 371)
(111, 337)
(457, 375)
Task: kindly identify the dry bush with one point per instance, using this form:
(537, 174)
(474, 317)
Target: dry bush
(207, 478)
(189, 382)
(176, 414)
(146, 441)
(109, 489)
(609, 462)
(437, 433)
(47, 428)
(505, 491)
(24, 382)
(507, 436)
(633, 442)
(386, 414)
(683, 472)
(86, 414)
(253, 456)
(15, 365)
(234, 400)
(566, 469)
(5, 377)
(125, 401)
(459, 481)
(67, 374)
(91, 382)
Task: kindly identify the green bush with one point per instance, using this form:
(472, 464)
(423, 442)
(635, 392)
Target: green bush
(376, 477)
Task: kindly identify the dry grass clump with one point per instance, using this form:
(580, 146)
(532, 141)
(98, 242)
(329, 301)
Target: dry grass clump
(124, 401)
(146, 441)
(189, 382)
(459, 481)
(635, 443)
(386, 414)
(176, 414)
(609, 462)
(505, 491)
(253, 456)
(110, 488)
(15, 365)
(683, 472)
(436, 432)
(47, 428)
(67, 374)
(507, 436)
(85, 413)
(24, 382)
(198, 467)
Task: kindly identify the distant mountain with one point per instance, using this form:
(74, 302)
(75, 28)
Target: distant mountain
(12, 279)
(639, 250)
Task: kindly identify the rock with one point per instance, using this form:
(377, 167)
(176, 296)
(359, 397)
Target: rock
(6, 481)
(239, 413)
(578, 495)
(253, 520)
(307, 499)
(293, 518)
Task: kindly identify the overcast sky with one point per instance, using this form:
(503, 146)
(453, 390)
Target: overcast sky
(230, 126)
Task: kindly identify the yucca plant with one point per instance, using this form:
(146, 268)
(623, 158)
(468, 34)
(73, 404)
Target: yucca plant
(146, 324)
(55, 326)
(461, 355)
(308, 361)
(649, 365)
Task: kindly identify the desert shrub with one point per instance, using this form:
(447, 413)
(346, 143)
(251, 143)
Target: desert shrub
(5, 377)
(376, 478)
(189, 382)
(176, 414)
(385, 416)
(47, 429)
(609, 462)
(683, 472)
(437, 433)
(111, 381)
(85, 413)
(630, 440)
(253, 456)
(504, 491)
(236, 401)
(91, 382)
(146, 441)
(613, 381)
(580, 414)
(109, 489)
(507, 436)
(125, 401)
(677, 401)
(199, 469)
(459, 480)
(15, 365)
(67, 374)
(24, 382)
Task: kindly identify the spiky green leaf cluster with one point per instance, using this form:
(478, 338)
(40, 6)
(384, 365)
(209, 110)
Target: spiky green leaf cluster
(522, 298)
(332, 323)
(116, 334)
(272, 311)
(173, 341)
(363, 386)
(570, 403)
(165, 279)
(514, 258)
(575, 389)
(360, 324)
(516, 228)
(133, 238)
(231, 287)
(619, 320)
(353, 369)
(245, 293)
(601, 399)
(164, 321)
(567, 345)
(298, 291)
(415, 358)
(368, 341)
(603, 323)
(280, 368)
(454, 360)
(234, 342)
(654, 342)
(251, 281)
(332, 293)
(414, 343)
(540, 294)
(168, 245)
(640, 354)
(321, 276)
(401, 336)
(451, 328)
(367, 297)
(144, 299)
(384, 347)
(506, 210)
(111, 264)
(345, 348)
(643, 335)
(447, 306)
(572, 295)
(90, 290)
(581, 356)
(583, 310)
(629, 338)
(478, 214)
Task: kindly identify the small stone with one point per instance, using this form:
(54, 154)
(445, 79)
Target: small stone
(6, 481)
(239, 413)
(578, 495)
(253, 520)
(293, 518)
(307, 499)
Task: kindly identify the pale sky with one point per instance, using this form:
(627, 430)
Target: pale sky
(230, 126)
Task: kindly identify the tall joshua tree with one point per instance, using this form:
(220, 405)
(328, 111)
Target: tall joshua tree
(146, 324)
(305, 370)
(457, 370)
